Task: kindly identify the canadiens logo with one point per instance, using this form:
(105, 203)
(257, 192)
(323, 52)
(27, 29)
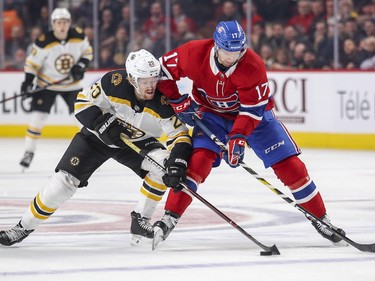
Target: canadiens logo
(222, 104)
(116, 79)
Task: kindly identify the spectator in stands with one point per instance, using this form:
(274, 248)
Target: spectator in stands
(368, 27)
(16, 41)
(349, 58)
(35, 32)
(106, 58)
(297, 54)
(229, 11)
(258, 36)
(120, 46)
(43, 19)
(183, 34)
(310, 60)
(267, 55)
(346, 10)
(125, 19)
(282, 60)
(151, 25)
(367, 48)
(291, 36)
(277, 38)
(107, 28)
(255, 16)
(304, 17)
(321, 43)
(179, 16)
(351, 30)
(318, 11)
(84, 13)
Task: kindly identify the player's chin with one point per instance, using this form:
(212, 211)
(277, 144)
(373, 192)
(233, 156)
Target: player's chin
(149, 95)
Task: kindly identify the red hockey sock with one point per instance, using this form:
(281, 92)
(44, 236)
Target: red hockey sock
(293, 173)
(199, 168)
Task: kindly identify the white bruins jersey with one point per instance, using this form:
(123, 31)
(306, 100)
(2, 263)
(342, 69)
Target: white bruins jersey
(144, 119)
(51, 59)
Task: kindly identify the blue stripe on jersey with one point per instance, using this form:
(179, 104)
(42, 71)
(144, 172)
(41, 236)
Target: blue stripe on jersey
(255, 111)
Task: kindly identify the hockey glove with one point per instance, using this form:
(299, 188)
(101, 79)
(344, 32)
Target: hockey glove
(175, 173)
(235, 150)
(26, 89)
(109, 129)
(185, 108)
(77, 71)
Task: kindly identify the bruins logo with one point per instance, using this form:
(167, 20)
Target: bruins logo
(74, 161)
(164, 100)
(33, 51)
(116, 79)
(64, 63)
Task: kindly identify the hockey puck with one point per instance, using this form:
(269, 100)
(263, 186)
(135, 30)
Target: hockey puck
(266, 253)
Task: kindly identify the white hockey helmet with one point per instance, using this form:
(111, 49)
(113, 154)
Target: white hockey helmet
(60, 13)
(142, 64)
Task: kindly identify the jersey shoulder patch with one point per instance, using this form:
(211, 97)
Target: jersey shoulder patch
(76, 33)
(160, 104)
(46, 39)
(115, 84)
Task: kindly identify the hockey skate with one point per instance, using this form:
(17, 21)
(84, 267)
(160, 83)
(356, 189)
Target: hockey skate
(140, 228)
(164, 227)
(14, 235)
(26, 160)
(325, 232)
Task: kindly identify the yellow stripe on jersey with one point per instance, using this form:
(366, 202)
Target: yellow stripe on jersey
(44, 207)
(75, 40)
(51, 45)
(151, 112)
(121, 101)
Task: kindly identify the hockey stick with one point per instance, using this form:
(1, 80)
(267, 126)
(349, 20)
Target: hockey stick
(36, 90)
(361, 247)
(268, 251)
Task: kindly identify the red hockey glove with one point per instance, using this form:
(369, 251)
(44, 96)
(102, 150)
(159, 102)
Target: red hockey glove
(185, 108)
(235, 150)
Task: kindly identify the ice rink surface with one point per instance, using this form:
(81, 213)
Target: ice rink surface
(88, 237)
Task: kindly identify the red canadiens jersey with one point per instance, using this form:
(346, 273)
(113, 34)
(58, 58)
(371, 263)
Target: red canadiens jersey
(241, 93)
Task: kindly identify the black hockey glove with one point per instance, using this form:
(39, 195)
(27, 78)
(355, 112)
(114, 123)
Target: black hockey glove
(26, 89)
(109, 129)
(175, 173)
(77, 71)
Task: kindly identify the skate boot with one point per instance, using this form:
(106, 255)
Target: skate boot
(27, 158)
(14, 235)
(326, 232)
(140, 227)
(164, 227)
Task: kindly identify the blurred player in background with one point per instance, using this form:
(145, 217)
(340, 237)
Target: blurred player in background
(121, 102)
(231, 94)
(56, 65)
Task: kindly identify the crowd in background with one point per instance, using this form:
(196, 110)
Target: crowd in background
(286, 34)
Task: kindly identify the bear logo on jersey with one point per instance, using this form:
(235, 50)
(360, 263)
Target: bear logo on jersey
(64, 63)
(116, 79)
(74, 161)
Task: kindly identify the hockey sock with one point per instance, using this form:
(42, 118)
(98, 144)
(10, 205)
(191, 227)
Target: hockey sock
(60, 188)
(151, 193)
(199, 167)
(293, 173)
(34, 130)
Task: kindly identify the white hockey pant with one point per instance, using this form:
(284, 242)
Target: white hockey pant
(59, 189)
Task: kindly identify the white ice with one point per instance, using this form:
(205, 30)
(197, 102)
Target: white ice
(88, 237)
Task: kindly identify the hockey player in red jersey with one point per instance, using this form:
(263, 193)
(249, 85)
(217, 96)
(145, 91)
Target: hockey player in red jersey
(231, 94)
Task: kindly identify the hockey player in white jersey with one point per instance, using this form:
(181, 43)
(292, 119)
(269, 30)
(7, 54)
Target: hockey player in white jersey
(58, 59)
(122, 102)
